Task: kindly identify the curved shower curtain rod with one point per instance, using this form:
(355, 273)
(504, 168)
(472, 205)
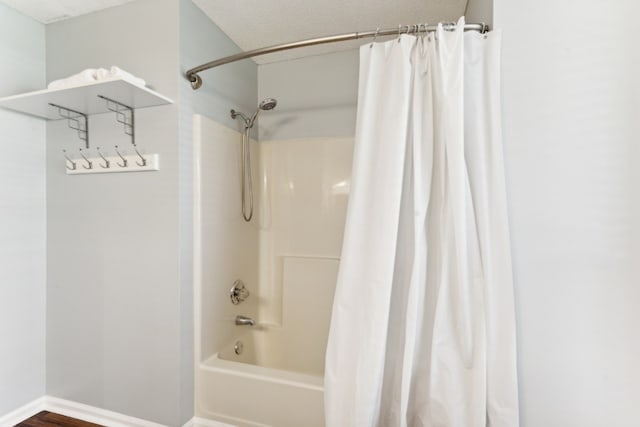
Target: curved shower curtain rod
(196, 81)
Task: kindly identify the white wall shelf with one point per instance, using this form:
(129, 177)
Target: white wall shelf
(83, 98)
(76, 103)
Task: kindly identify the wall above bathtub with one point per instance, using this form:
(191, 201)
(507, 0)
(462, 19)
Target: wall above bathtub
(317, 97)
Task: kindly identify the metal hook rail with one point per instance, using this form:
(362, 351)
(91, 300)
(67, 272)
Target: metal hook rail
(196, 80)
(120, 162)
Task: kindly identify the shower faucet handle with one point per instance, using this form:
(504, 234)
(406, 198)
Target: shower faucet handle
(238, 292)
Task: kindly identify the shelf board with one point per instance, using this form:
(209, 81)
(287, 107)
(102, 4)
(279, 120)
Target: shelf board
(83, 98)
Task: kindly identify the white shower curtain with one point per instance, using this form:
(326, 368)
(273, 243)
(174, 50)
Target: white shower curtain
(422, 330)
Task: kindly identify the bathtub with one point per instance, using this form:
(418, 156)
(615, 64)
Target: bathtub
(250, 389)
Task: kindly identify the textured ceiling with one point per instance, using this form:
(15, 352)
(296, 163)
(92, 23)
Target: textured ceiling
(47, 11)
(252, 24)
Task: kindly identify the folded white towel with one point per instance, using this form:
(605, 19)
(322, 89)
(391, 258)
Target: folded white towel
(95, 75)
(116, 72)
(101, 73)
(85, 76)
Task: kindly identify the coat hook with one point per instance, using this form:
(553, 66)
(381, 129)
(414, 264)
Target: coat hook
(124, 161)
(73, 164)
(86, 160)
(144, 161)
(107, 163)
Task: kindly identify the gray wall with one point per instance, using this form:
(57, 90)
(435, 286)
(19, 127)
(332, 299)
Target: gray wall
(224, 88)
(479, 11)
(317, 96)
(113, 301)
(571, 109)
(22, 217)
(119, 306)
(120, 246)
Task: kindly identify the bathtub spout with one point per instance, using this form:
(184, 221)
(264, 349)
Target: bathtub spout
(244, 320)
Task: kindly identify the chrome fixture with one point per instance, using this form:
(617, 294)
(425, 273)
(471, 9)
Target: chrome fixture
(238, 292)
(244, 320)
(266, 105)
(107, 163)
(89, 162)
(73, 164)
(238, 348)
(124, 161)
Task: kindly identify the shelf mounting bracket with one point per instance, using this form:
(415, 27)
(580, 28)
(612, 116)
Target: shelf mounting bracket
(124, 115)
(75, 120)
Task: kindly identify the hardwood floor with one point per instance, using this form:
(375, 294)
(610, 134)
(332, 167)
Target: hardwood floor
(49, 419)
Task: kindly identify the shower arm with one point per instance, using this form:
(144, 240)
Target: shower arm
(248, 123)
(196, 80)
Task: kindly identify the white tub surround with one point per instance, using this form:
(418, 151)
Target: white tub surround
(288, 257)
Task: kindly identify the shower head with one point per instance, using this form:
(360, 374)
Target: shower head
(265, 105)
(268, 104)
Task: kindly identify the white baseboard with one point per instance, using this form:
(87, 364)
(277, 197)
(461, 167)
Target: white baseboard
(94, 415)
(22, 413)
(90, 414)
(76, 410)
